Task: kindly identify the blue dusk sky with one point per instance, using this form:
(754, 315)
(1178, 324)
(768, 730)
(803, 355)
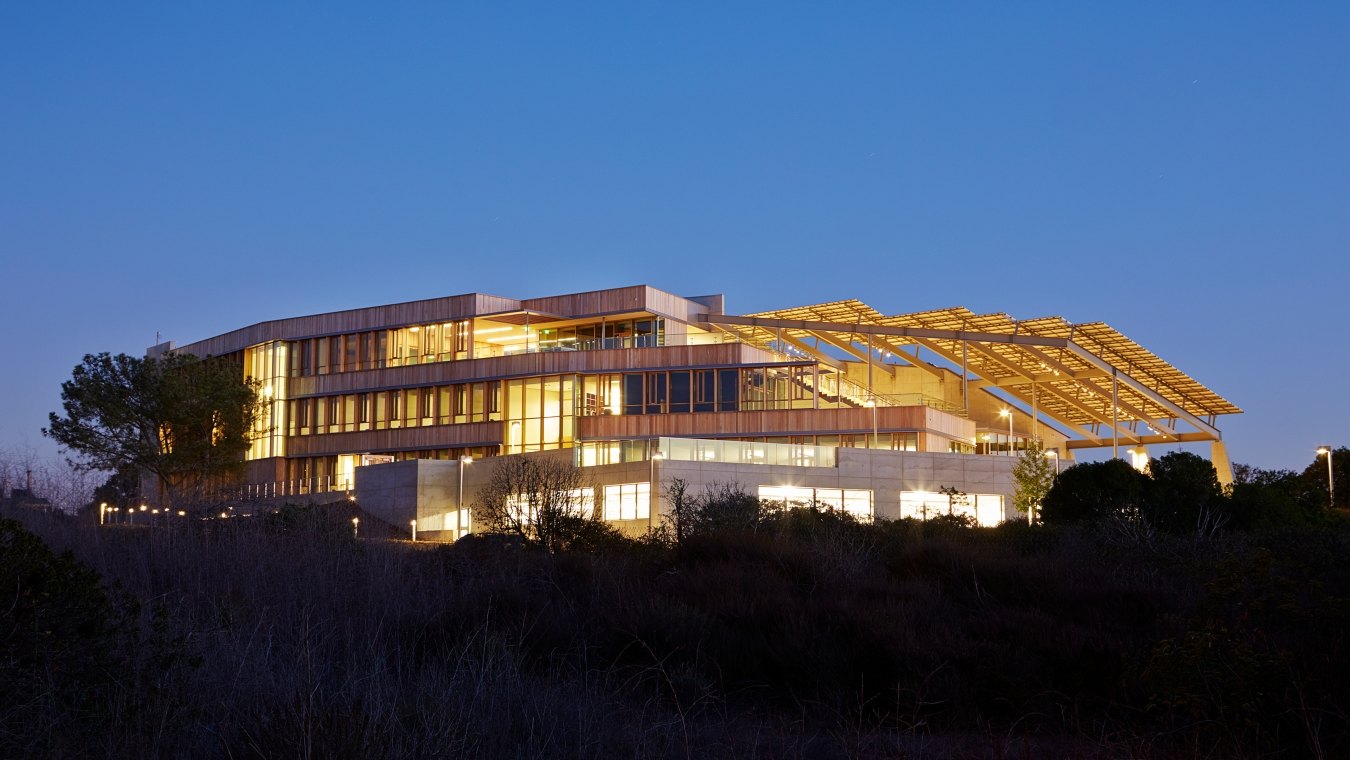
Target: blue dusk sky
(1177, 170)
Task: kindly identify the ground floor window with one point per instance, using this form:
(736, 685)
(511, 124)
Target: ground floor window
(855, 502)
(628, 501)
(579, 502)
(985, 508)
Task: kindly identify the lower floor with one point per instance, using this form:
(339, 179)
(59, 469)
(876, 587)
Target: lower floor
(631, 493)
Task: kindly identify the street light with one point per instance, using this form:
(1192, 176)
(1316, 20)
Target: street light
(356, 527)
(652, 487)
(102, 512)
(1008, 413)
(413, 523)
(1331, 479)
(871, 402)
(1054, 454)
(459, 500)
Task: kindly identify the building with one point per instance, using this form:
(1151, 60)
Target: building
(835, 402)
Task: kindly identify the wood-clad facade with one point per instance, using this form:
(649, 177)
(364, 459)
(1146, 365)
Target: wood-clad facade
(482, 375)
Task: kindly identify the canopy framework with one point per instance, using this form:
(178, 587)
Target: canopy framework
(1089, 378)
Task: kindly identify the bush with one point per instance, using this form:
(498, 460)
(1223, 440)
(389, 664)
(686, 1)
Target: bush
(1093, 491)
(57, 646)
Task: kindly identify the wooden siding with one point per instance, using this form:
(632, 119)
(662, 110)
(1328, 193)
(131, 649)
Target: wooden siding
(353, 320)
(529, 365)
(402, 439)
(766, 423)
(637, 298)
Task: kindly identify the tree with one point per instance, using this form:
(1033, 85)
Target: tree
(728, 508)
(1183, 494)
(1095, 490)
(1033, 475)
(543, 499)
(185, 420)
(1316, 475)
(1268, 498)
(683, 506)
(955, 496)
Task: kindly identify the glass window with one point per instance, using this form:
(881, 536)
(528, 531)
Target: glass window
(728, 382)
(427, 405)
(656, 392)
(705, 390)
(628, 501)
(632, 393)
(679, 392)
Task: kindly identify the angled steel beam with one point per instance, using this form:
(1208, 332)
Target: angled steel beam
(815, 353)
(852, 350)
(1112, 422)
(924, 336)
(1147, 392)
(1133, 411)
(912, 361)
(902, 332)
(1045, 377)
(949, 356)
(1148, 439)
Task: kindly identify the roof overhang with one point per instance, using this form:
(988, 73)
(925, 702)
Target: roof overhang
(1088, 377)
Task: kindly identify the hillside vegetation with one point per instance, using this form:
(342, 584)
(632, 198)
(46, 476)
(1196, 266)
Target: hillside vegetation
(795, 634)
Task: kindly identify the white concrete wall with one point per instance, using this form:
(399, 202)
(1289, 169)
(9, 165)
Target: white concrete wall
(426, 489)
(399, 492)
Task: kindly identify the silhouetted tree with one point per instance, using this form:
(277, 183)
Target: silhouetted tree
(1268, 498)
(545, 500)
(1183, 494)
(1316, 476)
(1095, 490)
(726, 508)
(183, 419)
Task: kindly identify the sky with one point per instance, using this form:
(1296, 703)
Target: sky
(1177, 170)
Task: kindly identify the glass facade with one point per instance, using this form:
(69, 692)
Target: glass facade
(985, 508)
(396, 408)
(461, 339)
(628, 501)
(539, 412)
(266, 364)
(854, 502)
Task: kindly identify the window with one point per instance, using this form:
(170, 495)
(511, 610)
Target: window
(628, 501)
(679, 392)
(986, 509)
(855, 502)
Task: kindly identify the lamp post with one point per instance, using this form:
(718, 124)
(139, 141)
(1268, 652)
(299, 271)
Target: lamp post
(102, 513)
(356, 527)
(413, 523)
(459, 500)
(1331, 478)
(1008, 413)
(652, 489)
(1054, 454)
(871, 402)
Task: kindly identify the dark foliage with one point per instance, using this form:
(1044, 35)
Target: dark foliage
(1182, 494)
(1094, 491)
(810, 635)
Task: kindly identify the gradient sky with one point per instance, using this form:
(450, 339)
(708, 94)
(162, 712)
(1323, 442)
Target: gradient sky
(1180, 173)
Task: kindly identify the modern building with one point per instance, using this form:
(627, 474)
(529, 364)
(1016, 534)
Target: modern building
(838, 403)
